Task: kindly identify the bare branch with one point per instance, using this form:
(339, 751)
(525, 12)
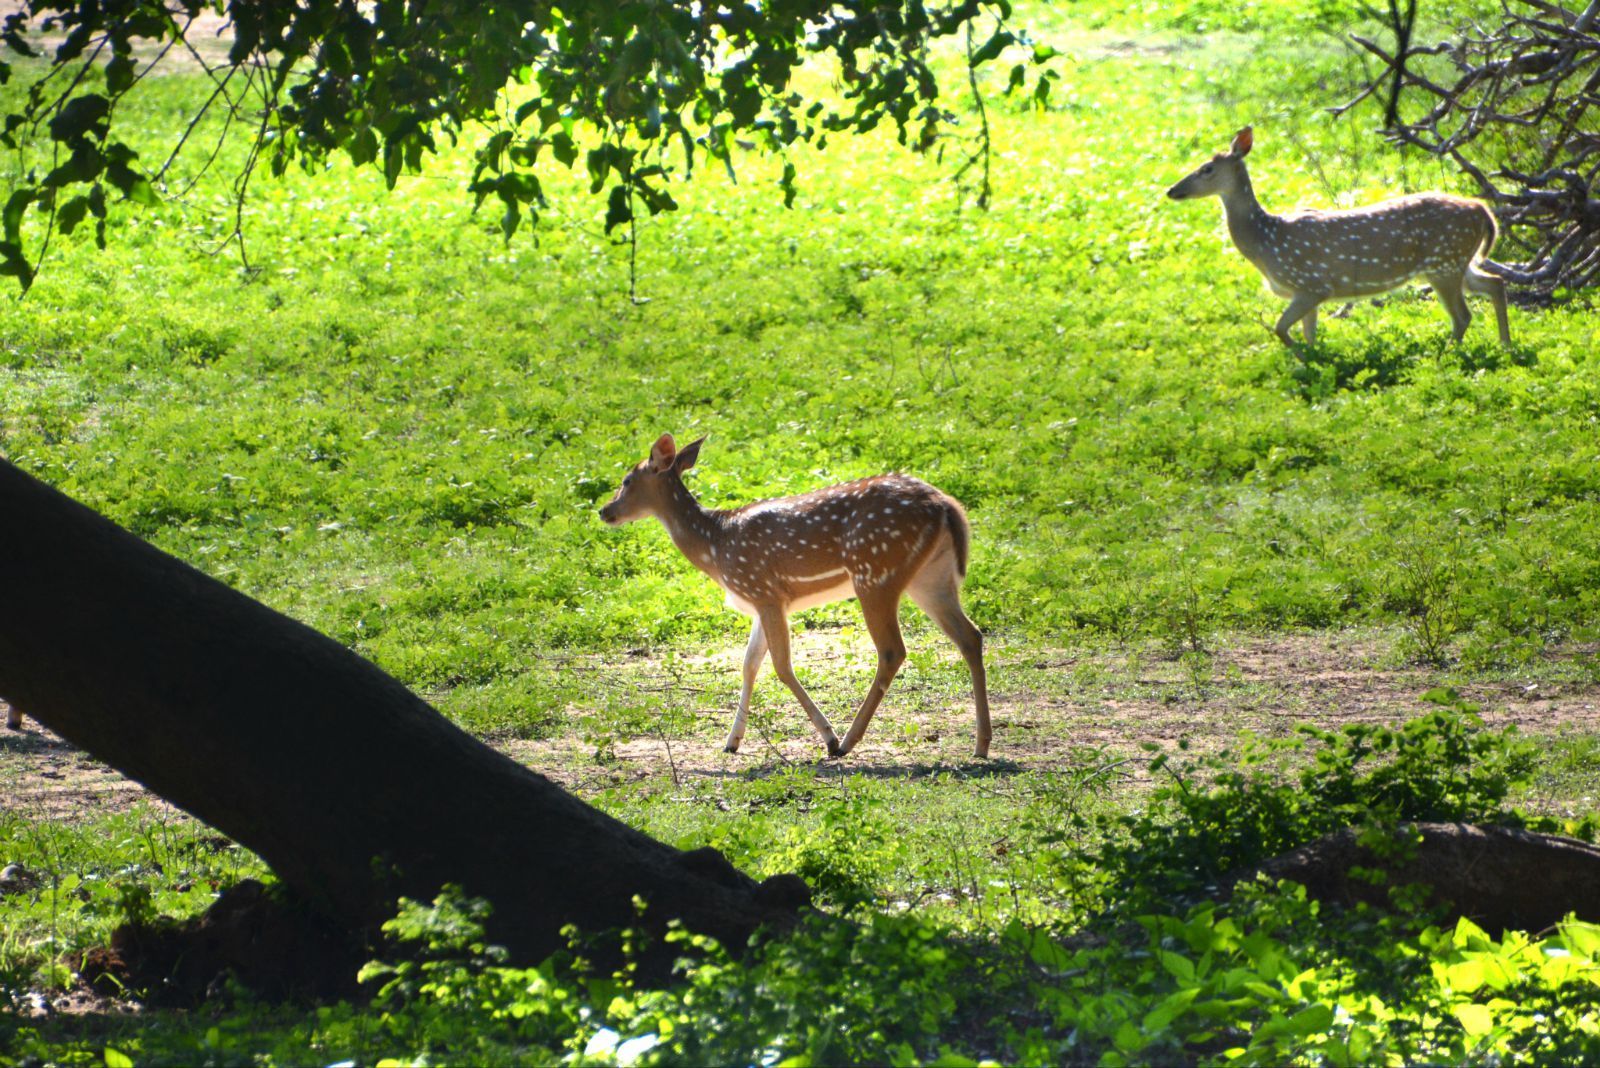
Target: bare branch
(1509, 104)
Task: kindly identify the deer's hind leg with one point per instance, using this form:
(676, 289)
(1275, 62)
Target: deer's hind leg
(1448, 287)
(1494, 288)
(937, 591)
(881, 607)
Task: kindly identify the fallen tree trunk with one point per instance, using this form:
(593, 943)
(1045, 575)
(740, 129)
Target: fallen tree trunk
(1501, 878)
(350, 787)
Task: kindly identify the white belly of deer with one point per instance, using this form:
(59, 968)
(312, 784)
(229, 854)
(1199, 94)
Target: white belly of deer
(841, 590)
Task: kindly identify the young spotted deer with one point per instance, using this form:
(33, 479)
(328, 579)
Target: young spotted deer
(1311, 256)
(876, 539)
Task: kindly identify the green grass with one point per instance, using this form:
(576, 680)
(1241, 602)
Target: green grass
(398, 429)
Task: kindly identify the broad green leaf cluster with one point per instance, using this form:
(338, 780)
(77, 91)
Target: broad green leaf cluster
(638, 90)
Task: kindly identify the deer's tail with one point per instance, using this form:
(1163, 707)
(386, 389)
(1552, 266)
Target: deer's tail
(955, 518)
(1491, 232)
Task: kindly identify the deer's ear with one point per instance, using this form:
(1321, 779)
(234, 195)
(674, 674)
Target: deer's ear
(662, 453)
(1242, 142)
(690, 453)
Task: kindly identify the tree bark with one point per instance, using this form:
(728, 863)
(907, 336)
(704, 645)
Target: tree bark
(1501, 878)
(351, 788)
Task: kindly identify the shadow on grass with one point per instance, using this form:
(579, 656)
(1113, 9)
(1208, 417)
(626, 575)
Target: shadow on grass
(28, 741)
(1489, 356)
(1377, 362)
(833, 770)
(1387, 359)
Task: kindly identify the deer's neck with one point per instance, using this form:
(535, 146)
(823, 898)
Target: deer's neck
(693, 529)
(1249, 224)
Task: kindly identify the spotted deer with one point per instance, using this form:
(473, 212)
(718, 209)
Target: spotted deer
(1310, 256)
(876, 539)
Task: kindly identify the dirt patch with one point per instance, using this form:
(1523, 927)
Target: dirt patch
(1050, 711)
(49, 780)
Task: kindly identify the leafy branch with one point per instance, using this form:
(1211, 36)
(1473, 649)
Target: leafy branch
(636, 93)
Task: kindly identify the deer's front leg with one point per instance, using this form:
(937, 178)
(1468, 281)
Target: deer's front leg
(882, 612)
(776, 627)
(1300, 306)
(754, 653)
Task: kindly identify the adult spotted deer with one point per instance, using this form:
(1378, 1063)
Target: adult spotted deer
(876, 539)
(1311, 256)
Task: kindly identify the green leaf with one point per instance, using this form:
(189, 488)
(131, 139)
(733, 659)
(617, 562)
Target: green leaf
(1180, 967)
(15, 208)
(787, 184)
(1476, 1020)
(392, 162)
(119, 74)
(561, 145)
(1466, 976)
(1171, 1007)
(78, 116)
(97, 208)
(992, 47)
(1128, 1038)
(140, 191)
(364, 146)
(83, 165)
(951, 1059)
(72, 213)
(115, 1058)
(1581, 937)
(1310, 1020)
(619, 208)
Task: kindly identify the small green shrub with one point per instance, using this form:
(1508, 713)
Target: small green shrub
(1220, 814)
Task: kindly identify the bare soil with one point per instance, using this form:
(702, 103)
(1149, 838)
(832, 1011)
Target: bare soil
(1050, 712)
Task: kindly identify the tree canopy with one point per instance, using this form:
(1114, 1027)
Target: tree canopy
(637, 92)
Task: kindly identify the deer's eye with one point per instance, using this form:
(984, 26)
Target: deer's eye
(1206, 169)
(627, 481)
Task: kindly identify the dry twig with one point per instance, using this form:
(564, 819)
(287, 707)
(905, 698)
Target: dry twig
(1514, 106)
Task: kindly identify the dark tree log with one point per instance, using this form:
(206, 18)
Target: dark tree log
(1498, 877)
(350, 787)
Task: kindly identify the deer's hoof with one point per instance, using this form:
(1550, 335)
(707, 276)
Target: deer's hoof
(835, 750)
(731, 747)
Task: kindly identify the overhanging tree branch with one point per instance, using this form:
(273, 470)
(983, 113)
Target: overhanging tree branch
(384, 82)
